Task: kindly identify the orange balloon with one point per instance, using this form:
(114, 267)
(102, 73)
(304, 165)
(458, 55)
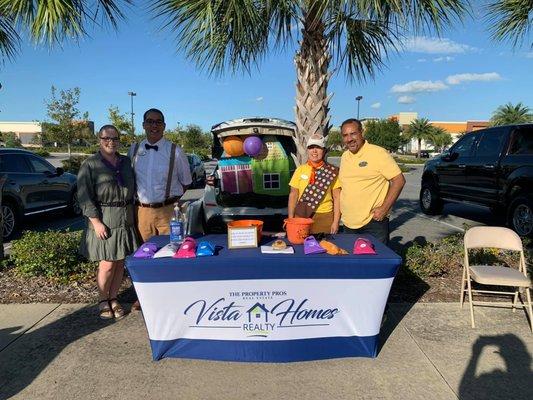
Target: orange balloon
(233, 146)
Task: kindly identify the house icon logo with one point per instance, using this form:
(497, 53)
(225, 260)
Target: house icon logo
(257, 312)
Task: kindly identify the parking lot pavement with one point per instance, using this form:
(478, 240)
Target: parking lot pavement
(428, 351)
(408, 223)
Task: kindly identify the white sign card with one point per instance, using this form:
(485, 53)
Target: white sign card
(241, 238)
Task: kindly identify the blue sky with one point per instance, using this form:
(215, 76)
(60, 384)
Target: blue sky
(461, 76)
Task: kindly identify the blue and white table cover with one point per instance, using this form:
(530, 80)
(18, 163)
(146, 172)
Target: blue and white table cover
(246, 306)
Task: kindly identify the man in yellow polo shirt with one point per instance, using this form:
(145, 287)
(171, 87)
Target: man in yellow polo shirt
(371, 182)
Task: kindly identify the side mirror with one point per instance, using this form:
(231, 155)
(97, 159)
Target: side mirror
(60, 171)
(450, 156)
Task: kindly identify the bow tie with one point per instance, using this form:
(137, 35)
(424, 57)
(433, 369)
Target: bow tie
(148, 147)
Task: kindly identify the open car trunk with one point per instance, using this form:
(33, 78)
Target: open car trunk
(258, 181)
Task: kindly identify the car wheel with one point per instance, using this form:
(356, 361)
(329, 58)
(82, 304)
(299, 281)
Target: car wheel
(520, 216)
(74, 208)
(430, 203)
(11, 220)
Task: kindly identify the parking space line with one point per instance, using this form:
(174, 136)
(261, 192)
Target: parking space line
(435, 220)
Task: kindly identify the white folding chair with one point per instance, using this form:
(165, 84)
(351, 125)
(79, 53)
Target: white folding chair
(500, 238)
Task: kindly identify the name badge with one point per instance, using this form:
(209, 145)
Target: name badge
(363, 164)
(303, 176)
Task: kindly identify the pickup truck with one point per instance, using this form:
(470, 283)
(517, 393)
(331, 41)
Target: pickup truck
(491, 167)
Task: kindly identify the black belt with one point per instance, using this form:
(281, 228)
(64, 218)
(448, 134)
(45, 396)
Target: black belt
(122, 203)
(170, 200)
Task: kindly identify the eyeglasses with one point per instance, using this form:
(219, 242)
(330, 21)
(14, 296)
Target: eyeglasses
(109, 139)
(157, 122)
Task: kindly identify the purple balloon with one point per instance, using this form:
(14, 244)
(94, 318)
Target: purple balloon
(253, 145)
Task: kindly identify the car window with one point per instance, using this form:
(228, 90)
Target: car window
(14, 163)
(491, 143)
(464, 146)
(39, 165)
(523, 141)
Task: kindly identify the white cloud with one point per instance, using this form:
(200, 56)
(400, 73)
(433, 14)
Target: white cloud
(406, 99)
(375, 105)
(445, 59)
(433, 45)
(260, 98)
(460, 78)
(529, 55)
(418, 87)
(421, 60)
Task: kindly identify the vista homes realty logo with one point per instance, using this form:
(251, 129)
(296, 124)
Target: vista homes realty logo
(258, 314)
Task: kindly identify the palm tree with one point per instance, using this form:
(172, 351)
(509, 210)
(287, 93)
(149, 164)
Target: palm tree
(511, 114)
(439, 138)
(420, 129)
(52, 21)
(355, 36)
(510, 19)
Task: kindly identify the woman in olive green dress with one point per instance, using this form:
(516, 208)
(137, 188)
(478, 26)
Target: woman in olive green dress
(105, 194)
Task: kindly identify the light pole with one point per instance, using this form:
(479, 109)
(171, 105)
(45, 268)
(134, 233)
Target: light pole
(132, 113)
(358, 99)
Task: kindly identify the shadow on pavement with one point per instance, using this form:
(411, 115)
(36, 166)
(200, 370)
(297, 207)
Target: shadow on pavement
(29, 354)
(405, 209)
(515, 382)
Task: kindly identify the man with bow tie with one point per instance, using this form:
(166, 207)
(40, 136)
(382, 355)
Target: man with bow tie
(162, 175)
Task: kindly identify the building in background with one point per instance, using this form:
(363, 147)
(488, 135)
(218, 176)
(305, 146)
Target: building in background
(28, 131)
(454, 128)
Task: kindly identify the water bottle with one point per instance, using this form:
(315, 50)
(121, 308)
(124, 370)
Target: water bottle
(176, 227)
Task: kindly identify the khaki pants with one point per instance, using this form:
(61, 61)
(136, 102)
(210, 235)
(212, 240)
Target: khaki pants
(322, 222)
(154, 221)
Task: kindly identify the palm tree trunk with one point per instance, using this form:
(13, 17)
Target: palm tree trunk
(419, 145)
(312, 100)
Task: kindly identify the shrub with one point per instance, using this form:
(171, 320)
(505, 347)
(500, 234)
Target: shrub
(41, 152)
(445, 255)
(11, 140)
(404, 168)
(73, 164)
(51, 254)
(406, 160)
(89, 150)
(435, 259)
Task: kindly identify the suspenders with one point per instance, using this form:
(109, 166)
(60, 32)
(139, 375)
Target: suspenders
(170, 166)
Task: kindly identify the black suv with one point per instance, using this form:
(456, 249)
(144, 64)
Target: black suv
(33, 186)
(491, 167)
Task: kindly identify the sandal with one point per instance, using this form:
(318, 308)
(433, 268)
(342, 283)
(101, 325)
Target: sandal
(136, 306)
(105, 312)
(117, 309)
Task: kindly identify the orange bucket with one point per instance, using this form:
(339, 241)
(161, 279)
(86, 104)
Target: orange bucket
(247, 223)
(297, 229)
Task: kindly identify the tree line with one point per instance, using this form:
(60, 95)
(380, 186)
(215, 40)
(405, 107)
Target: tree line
(66, 126)
(354, 36)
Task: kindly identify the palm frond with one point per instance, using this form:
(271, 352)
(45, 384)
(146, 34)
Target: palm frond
(510, 20)
(427, 15)
(362, 46)
(53, 20)
(285, 17)
(9, 38)
(216, 34)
